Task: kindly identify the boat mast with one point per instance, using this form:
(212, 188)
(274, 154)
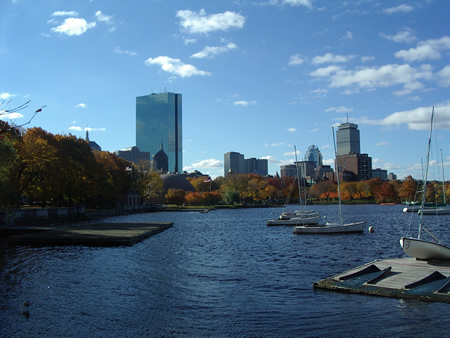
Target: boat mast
(336, 167)
(298, 178)
(426, 175)
(443, 180)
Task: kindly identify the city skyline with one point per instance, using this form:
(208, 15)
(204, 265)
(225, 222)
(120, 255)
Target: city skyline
(256, 77)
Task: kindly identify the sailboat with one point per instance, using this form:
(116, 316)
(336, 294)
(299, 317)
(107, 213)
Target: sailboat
(418, 247)
(438, 209)
(332, 227)
(298, 217)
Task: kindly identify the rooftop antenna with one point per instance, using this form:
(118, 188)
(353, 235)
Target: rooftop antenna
(347, 117)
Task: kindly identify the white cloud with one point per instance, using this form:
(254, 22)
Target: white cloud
(210, 52)
(77, 128)
(65, 13)
(5, 96)
(372, 78)
(367, 58)
(204, 164)
(383, 143)
(189, 41)
(194, 23)
(81, 105)
(444, 76)
(429, 49)
(244, 103)
(274, 144)
(348, 36)
(332, 58)
(73, 26)
(304, 3)
(340, 109)
(118, 50)
(176, 66)
(296, 60)
(416, 119)
(103, 17)
(319, 93)
(292, 130)
(401, 37)
(398, 9)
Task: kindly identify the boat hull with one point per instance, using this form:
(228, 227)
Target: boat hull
(436, 211)
(295, 221)
(331, 228)
(424, 250)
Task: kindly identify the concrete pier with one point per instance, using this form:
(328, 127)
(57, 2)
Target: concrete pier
(96, 234)
(406, 278)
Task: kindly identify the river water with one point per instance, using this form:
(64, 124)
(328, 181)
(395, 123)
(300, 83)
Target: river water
(222, 273)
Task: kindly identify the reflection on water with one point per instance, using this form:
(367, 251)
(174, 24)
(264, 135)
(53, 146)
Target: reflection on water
(223, 273)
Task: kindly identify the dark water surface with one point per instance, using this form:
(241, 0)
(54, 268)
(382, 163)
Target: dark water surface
(223, 273)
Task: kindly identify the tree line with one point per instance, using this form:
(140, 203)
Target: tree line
(39, 167)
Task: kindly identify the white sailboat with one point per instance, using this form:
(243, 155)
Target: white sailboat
(417, 247)
(332, 227)
(298, 217)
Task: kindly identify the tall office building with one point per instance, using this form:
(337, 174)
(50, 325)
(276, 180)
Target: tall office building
(256, 166)
(313, 154)
(353, 165)
(233, 163)
(159, 121)
(347, 139)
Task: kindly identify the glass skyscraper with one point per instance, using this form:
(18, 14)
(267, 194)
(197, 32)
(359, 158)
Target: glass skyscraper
(158, 122)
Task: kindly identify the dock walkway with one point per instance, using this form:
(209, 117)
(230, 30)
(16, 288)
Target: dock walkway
(94, 234)
(406, 278)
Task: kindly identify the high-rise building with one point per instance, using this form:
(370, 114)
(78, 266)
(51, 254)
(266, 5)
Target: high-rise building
(347, 139)
(233, 163)
(256, 166)
(133, 154)
(353, 166)
(313, 154)
(159, 121)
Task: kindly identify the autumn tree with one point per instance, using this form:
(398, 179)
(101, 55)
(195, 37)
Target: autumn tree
(408, 190)
(175, 196)
(36, 158)
(148, 182)
(324, 189)
(386, 193)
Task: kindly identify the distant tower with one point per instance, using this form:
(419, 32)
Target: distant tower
(92, 144)
(313, 154)
(161, 159)
(347, 139)
(159, 118)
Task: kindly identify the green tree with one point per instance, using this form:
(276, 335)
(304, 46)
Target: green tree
(231, 197)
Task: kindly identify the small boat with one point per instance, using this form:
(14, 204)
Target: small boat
(298, 217)
(418, 247)
(332, 227)
(298, 220)
(299, 213)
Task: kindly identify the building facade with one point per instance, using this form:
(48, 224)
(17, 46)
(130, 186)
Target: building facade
(354, 167)
(347, 139)
(159, 121)
(233, 163)
(380, 173)
(313, 154)
(256, 166)
(133, 154)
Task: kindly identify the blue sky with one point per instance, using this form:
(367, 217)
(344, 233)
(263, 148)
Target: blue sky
(257, 77)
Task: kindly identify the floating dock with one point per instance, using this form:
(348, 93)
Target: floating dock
(95, 234)
(406, 278)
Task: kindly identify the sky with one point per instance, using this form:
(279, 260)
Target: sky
(256, 77)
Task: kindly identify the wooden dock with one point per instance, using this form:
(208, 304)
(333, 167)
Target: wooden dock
(95, 234)
(406, 278)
